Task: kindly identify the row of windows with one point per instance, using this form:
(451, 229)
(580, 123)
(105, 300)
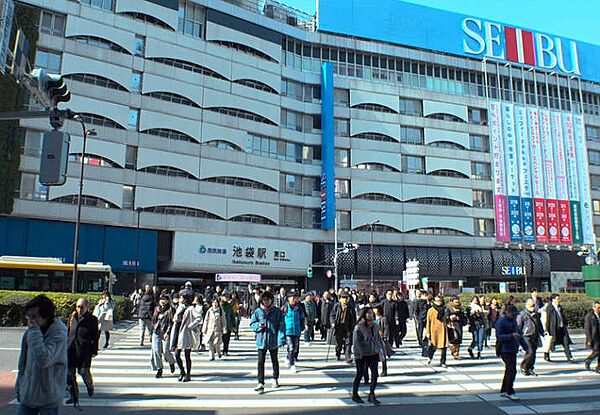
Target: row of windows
(95, 80)
(295, 217)
(240, 182)
(282, 150)
(174, 98)
(98, 42)
(299, 91)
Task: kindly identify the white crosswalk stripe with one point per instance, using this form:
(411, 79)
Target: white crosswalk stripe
(123, 379)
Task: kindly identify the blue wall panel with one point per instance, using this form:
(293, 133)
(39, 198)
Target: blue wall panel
(50, 239)
(327, 148)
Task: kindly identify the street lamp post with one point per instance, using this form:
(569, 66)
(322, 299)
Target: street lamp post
(74, 281)
(371, 253)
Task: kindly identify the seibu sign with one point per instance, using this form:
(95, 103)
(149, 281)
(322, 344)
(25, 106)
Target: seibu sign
(501, 42)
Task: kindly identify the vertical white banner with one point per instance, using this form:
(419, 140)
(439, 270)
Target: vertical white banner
(560, 162)
(498, 168)
(524, 167)
(548, 155)
(512, 172)
(585, 191)
(572, 178)
(537, 160)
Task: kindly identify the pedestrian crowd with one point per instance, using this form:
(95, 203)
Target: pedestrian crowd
(362, 328)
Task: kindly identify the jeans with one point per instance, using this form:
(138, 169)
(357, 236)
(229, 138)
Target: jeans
(160, 351)
(145, 323)
(510, 373)
(478, 338)
(309, 333)
(293, 348)
(25, 410)
(262, 357)
(363, 367)
(528, 362)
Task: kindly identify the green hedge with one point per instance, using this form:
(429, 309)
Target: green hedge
(12, 306)
(576, 306)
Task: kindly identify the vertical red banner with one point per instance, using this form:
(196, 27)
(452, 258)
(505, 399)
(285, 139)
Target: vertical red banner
(512, 50)
(564, 216)
(528, 48)
(552, 218)
(502, 218)
(541, 227)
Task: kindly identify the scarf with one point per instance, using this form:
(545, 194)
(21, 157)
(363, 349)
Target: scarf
(440, 311)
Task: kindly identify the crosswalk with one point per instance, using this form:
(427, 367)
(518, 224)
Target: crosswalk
(123, 379)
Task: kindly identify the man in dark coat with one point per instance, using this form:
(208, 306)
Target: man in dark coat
(403, 315)
(391, 312)
(556, 327)
(592, 336)
(325, 308)
(145, 311)
(343, 320)
(82, 347)
(530, 327)
(420, 313)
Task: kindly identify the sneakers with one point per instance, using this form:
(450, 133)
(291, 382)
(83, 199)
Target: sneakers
(260, 388)
(504, 395)
(293, 369)
(275, 384)
(513, 397)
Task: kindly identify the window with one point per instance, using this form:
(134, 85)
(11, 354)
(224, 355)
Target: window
(238, 113)
(100, 43)
(191, 19)
(448, 173)
(300, 91)
(49, 60)
(477, 116)
(100, 4)
(128, 197)
(101, 121)
(483, 199)
(411, 135)
(374, 107)
(378, 227)
(52, 23)
(480, 143)
(174, 98)
(251, 83)
(239, 182)
(290, 216)
(170, 134)
(300, 122)
(31, 188)
(375, 167)
(413, 164)
(290, 183)
(411, 107)
(341, 97)
(95, 80)
(260, 220)
(596, 206)
(445, 117)
(438, 201)
(342, 157)
(446, 144)
(146, 18)
(594, 181)
(480, 171)
(131, 157)
(341, 127)
(87, 201)
(375, 137)
(342, 188)
(282, 150)
(592, 133)
(139, 45)
(245, 49)
(136, 82)
(181, 211)
(223, 145)
(595, 158)
(343, 217)
(439, 231)
(168, 171)
(133, 119)
(92, 160)
(484, 228)
(33, 143)
(189, 66)
(379, 197)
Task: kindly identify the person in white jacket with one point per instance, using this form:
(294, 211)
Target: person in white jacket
(213, 329)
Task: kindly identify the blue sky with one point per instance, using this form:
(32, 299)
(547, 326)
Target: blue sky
(576, 19)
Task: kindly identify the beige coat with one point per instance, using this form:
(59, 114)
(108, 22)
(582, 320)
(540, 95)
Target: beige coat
(436, 330)
(214, 325)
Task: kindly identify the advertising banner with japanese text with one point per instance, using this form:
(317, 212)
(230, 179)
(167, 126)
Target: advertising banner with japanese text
(537, 176)
(524, 166)
(550, 177)
(498, 171)
(584, 180)
(572, 178)
(512, 172)
(560, 168)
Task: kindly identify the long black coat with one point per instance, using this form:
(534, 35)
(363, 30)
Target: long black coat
(336, 316)
(592, 331)
(147, 305)
(325, 312)
(83, 340)
(391, 311)
(552, 325)
(421, 308)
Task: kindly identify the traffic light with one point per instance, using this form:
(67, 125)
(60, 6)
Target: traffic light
(55, 158)
(309, 272)
(51, 89)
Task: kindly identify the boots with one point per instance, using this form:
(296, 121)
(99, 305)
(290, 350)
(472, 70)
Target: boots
(159, 374)
(471, 353)
(547, 357)
(373, 399)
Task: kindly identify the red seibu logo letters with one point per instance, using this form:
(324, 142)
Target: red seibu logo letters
(506, 43)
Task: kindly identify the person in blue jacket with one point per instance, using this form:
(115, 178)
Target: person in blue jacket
(509, 339)
(269, 325)
(295, 319)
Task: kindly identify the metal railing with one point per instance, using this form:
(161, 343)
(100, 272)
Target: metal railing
(279, 12)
